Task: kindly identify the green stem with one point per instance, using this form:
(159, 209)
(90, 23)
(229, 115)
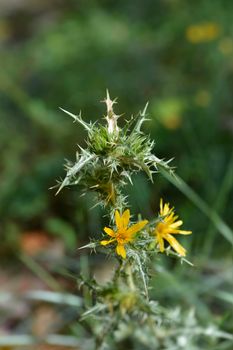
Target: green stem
(143, 277)
(130, 279)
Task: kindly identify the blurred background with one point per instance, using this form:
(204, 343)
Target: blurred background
(176, 54)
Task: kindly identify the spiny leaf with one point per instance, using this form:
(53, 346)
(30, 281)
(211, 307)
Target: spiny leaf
(74, 170)
(141, 119)
(78, 119)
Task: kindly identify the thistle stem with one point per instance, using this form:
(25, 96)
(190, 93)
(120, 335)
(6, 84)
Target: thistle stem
(130, 279)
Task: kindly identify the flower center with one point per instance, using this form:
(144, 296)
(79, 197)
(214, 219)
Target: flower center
(161, 228)
(121, 236)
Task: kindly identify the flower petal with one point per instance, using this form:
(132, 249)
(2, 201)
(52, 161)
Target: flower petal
(181, 232)
(120, 249)
(118, 220)
(164, 208)
(175, 245)
(109, 231)
(170, 219)
(125, 218)
(161, 206)
(176, 224)
(136, 227)
(105, 242)
(160, 241)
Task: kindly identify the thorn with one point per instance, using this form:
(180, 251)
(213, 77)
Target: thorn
(77, 118)
(109, 102)
(143, 113)
(59, 190)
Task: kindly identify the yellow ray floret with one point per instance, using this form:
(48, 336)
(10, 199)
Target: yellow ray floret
(123, 234)
(169, 226)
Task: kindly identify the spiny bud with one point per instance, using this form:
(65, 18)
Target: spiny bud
(111, 116)
(111, 157)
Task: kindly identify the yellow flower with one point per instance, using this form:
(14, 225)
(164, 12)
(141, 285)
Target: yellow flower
(202, 32)
(168, 226)
(123, 234)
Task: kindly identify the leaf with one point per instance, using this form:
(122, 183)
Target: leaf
(78, 119)
(28, 340)
(141, 119)
(74, 170)
(54, 297)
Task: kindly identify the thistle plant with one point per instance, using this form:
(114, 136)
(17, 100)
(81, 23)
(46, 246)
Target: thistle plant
(120, 313)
